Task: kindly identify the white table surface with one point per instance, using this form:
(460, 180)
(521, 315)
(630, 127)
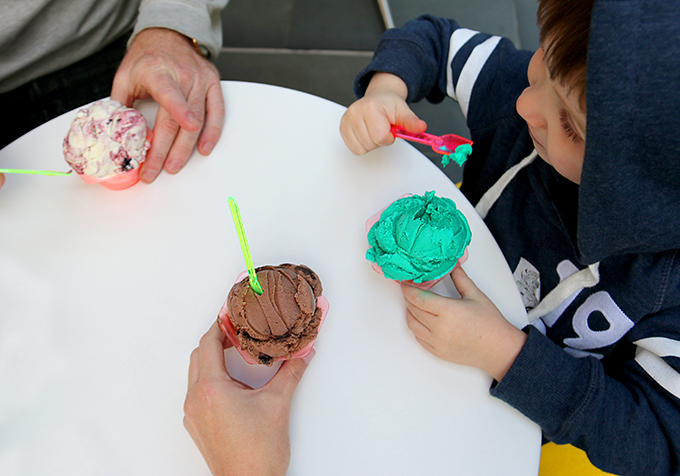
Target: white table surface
(103, 296)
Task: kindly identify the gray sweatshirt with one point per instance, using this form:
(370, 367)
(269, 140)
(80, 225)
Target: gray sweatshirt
(38, 37)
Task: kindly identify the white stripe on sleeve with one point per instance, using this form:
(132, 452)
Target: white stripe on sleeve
(471, 70)
(648, 355)
(456, 42)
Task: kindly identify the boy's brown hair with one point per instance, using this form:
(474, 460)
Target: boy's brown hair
(564, 27)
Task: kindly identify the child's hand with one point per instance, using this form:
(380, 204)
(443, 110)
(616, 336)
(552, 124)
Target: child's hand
(468, 331)
(366, 123)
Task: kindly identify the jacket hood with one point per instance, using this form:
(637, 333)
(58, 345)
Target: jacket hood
(629, 197)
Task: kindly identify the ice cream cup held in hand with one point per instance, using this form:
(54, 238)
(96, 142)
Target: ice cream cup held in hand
(421, 285)
(229, 330)
(106, 143)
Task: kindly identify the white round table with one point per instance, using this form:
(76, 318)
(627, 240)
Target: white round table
(103, 296)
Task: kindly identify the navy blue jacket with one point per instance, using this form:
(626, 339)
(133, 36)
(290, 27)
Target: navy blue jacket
(600, 371)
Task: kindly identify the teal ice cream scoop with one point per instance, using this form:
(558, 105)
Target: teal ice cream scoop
(419, 238)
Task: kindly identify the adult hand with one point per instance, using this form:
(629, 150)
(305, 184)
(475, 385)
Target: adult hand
(469, 331)
(239, 430)
(366, 123)
(163, 64)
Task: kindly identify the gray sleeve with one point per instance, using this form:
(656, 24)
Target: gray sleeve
(197, 19)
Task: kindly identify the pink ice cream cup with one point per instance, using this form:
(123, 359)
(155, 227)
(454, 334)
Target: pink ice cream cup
(107, 143)
(230, 332)
(116, 182)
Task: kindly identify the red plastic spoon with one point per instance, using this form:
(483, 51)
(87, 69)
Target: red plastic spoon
(445, 144)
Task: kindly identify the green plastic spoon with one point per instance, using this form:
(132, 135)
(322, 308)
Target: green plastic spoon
(241, 231)
(49, 173)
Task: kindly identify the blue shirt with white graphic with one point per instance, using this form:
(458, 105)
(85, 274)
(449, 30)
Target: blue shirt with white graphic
(601, 369)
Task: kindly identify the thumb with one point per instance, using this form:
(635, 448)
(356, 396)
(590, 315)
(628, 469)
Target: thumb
(121, 90)
(126, 89)
(464, 285)
(289, 375)
(407, 119)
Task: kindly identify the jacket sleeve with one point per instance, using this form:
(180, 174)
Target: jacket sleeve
(197, 19)
(626, 418)
(437, 58)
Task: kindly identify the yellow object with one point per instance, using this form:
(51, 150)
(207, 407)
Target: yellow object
(566, 460)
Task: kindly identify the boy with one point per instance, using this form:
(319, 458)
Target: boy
(591, 230)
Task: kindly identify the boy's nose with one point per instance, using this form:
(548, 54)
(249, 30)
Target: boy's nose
(529, 107)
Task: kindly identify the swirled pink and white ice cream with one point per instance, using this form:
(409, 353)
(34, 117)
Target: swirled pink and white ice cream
(106, 139)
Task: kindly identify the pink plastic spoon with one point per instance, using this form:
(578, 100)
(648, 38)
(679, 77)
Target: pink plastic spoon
(452, 147)
(445, 144)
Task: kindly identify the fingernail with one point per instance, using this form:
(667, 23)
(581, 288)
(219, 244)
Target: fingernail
(147, 177)
(174, 166)
(308, 358)
(208, 147)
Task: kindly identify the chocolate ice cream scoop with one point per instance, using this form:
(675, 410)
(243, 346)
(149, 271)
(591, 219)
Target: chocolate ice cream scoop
(284, 319)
